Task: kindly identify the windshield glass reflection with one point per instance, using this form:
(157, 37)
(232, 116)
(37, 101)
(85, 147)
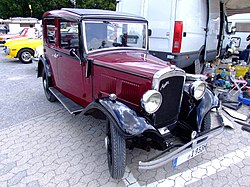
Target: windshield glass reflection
(109, 34)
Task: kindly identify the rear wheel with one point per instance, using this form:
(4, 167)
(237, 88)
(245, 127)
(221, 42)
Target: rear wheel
(116, 151)
(46, 85)
(198, 66)
(25, 56)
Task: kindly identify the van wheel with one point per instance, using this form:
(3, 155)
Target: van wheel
(116, 151)
(198, 66)
(206, 124)
(46, 85)
(25, 55)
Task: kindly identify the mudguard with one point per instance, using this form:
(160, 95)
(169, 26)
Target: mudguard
(208, 102)
(127, 119)
(43, 63)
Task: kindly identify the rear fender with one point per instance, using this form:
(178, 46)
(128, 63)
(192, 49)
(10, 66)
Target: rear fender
(128, 122)
(43, 64)
(209, 101)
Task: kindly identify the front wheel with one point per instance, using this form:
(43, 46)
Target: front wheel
(46, 85)
(116, 151)
(25, 56)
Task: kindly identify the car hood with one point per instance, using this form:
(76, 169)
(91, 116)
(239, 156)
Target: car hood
(139, 62)
(14, 40)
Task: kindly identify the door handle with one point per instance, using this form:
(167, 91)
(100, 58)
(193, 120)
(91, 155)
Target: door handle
(56, 55)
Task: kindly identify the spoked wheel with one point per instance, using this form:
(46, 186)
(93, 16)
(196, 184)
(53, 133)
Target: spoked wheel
(116, 151)
(47, 92)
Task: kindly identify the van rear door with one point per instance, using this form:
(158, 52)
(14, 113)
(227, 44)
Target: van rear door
(161, 22)
(213, 31)
(194, 16)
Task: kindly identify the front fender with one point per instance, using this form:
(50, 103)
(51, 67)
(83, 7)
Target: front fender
(127, 120)
(209, 101)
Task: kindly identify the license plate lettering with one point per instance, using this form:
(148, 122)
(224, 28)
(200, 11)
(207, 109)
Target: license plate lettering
(189, 154)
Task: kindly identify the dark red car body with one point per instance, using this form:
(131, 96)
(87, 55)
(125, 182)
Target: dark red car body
(117, 79)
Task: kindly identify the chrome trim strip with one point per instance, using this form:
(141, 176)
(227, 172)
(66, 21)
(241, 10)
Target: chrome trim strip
(169, 157)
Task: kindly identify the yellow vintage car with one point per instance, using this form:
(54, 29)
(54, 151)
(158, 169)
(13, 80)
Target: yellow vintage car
(23, 49)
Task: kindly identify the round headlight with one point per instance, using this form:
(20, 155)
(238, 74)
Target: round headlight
(197, 89)
(151, 101)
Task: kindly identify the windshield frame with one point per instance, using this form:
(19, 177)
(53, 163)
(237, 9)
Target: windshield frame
(112, 48)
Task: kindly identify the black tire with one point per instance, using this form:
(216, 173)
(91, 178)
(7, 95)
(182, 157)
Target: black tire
(25, 55)
(116, 151)
(206, 124)
(198, 66)
(46, 85)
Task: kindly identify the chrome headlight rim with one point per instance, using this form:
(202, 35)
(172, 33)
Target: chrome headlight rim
(196, 87)
(151, 95)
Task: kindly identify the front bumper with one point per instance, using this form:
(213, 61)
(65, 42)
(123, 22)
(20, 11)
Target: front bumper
(158, 162)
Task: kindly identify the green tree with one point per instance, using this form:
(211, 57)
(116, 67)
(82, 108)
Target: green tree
(20, 8)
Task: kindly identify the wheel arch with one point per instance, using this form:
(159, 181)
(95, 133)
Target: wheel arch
(200, 57)
(18, 53)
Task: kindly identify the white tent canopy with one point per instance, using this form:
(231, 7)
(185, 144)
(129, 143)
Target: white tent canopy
(237, 4)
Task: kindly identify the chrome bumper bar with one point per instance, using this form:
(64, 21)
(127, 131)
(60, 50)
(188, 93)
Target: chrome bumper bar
(178, 152)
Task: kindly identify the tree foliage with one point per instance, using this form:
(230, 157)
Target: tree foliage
(20, 8)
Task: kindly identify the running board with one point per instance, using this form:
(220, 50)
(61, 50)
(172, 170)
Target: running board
(70, 105)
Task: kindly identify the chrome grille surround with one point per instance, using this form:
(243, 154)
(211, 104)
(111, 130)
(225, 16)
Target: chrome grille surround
(166, 81)
(166, 73)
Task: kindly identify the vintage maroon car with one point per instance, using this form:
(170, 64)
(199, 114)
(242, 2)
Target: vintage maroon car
(104, 70)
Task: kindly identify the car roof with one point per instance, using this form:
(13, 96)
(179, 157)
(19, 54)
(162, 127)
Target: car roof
(77, 13)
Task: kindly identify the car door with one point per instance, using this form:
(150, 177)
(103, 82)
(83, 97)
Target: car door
(70, 81)
(50, 47)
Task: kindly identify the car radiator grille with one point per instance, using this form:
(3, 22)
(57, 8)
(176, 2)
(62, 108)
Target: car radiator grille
(171, 89)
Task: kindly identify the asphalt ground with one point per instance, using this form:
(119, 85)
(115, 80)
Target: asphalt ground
(22, 95)
(41, 144)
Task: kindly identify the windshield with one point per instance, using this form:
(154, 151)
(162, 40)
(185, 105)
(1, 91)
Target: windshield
(110, 34)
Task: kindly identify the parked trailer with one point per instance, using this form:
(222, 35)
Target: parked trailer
(187, 33)
(240, 30)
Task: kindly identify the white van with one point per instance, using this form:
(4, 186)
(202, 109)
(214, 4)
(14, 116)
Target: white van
(240, 28)
(185, 32)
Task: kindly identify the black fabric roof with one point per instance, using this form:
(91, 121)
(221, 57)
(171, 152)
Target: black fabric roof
(99, 12)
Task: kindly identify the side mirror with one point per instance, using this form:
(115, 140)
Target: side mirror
(149, 32)
(228, 26)
(233, 30)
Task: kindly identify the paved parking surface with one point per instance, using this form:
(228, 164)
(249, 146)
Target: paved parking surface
(43, 145)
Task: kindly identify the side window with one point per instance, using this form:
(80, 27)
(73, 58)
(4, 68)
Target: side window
(242, 27)
(69, 35)
(51, 31)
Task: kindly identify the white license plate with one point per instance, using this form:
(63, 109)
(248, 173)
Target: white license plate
(191, 153)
